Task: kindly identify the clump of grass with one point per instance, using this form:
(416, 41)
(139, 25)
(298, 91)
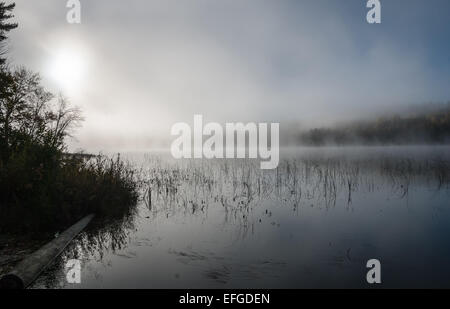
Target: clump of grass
(104, 186)
(49, 196)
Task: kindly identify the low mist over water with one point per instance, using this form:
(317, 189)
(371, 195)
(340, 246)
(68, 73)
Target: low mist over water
(313, 222)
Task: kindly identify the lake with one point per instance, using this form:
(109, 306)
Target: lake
(312, 223)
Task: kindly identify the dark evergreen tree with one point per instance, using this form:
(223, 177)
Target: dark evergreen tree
(5, 26)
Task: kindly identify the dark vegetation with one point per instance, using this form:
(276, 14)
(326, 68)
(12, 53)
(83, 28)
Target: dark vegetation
(42, 188)
(421, 127)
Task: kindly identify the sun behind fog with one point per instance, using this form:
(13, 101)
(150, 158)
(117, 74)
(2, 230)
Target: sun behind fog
(67, 69)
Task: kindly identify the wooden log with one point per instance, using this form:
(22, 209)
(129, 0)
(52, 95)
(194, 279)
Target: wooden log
(32, 266)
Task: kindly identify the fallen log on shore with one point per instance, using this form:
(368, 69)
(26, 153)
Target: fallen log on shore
(32, 266)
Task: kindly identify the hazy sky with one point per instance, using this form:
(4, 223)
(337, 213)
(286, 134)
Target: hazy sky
(136, 67)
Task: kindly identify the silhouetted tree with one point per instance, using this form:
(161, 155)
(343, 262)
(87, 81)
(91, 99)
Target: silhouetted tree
(5, 26)
(41, 187)
(28, 114)
(61, 121)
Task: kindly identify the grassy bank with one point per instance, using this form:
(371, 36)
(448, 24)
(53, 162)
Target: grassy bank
(38, 196)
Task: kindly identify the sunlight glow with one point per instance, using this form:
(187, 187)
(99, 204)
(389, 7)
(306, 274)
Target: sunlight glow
(67, 69)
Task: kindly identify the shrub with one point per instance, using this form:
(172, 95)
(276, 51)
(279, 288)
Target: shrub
(47, 191)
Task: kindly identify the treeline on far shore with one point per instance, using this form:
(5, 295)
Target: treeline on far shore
(421, 127)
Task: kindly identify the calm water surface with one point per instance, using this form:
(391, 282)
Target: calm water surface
(313, 222)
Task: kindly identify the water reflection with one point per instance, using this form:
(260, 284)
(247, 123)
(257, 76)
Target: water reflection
(313, 222)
